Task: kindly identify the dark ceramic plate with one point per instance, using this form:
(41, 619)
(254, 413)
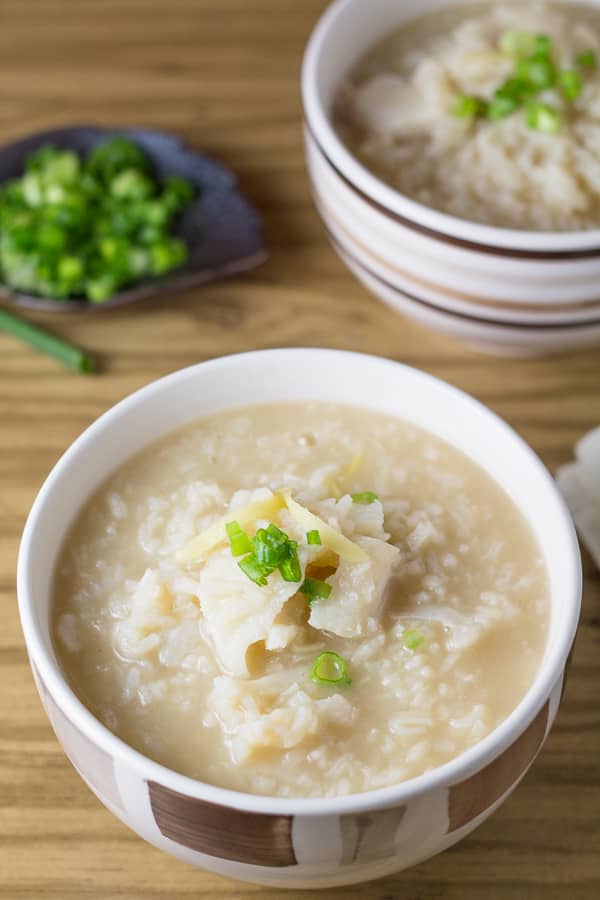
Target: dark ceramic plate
(221, 229)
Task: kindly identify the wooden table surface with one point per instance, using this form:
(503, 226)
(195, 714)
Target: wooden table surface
(225, 74)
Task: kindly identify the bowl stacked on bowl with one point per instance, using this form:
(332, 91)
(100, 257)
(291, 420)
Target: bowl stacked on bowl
(502, 289)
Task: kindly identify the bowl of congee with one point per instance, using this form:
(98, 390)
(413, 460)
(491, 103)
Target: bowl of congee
(454, 155)
(300, 617)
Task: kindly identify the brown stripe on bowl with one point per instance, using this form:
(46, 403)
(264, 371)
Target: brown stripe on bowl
(500, 325)
(221, 831)
(463, 243)
(469, 798)
(325, 213)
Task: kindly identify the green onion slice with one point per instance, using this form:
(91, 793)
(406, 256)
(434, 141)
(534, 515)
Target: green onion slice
(253, 569)
(500, 107)
(468, 107)
(290, 568)
(587, 60)
(364, 497)
(330, 668)
(517, 43)
(412, 638)
(542, 45)
(313, 537)
(538, 71)
(570, 83)
(238, 539)
(315, 589)
(543, 118)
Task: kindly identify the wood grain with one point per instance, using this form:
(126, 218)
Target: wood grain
(224, 73)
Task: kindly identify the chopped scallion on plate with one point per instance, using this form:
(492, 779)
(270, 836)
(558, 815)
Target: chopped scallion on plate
(313, 537)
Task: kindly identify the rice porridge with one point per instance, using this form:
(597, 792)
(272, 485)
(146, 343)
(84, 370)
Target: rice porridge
(489, 112)
(300, 601)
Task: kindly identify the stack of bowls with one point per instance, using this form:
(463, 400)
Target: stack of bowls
(501, 290)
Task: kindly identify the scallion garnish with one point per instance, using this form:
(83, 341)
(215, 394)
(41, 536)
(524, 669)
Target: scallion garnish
(270, 549)
(544, 118)
(253, 569)
(570, 83)
(290, 568)
(517, 43)
(542, 44)
(330, 668)
(313, 537)
(364, 497)
(538, 71)
(500, 107)
(468, 107)
(238, 539)
(315, 590)
(535, 71)
(412, 638)
(587, 60)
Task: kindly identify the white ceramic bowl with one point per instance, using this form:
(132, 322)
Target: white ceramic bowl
(303, 842)
(418, 259)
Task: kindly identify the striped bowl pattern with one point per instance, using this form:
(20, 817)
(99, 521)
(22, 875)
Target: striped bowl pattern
(503, 291)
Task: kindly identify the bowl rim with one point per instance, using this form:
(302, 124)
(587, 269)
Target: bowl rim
(452, 772)
(435, 223)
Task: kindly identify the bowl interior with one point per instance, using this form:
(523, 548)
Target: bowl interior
(346, 31)
(296, 375)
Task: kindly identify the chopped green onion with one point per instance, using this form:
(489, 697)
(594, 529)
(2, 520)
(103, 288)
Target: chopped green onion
(330, 668)
(412, 638)
(542, 45)
(543, 118)
(268, 552)
(238, 539)
(466, 107)
(315, 589)
(364, 497)
(517, 43)
(538, 71)
(570, 83)
(290, 568)
(252, 568)
(500, 107)
(313, 537)
(587, 60)
(276, 534)
(46, 343)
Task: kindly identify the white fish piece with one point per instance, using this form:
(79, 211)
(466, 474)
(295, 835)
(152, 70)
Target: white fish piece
(386, 105)
(358, 592)
(237, 612)
(254, 721)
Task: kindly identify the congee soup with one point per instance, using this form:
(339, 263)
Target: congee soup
(301, 600)
(489, 112)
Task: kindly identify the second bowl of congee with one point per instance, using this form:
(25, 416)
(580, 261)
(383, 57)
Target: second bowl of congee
(488, 112)
(300, 616)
